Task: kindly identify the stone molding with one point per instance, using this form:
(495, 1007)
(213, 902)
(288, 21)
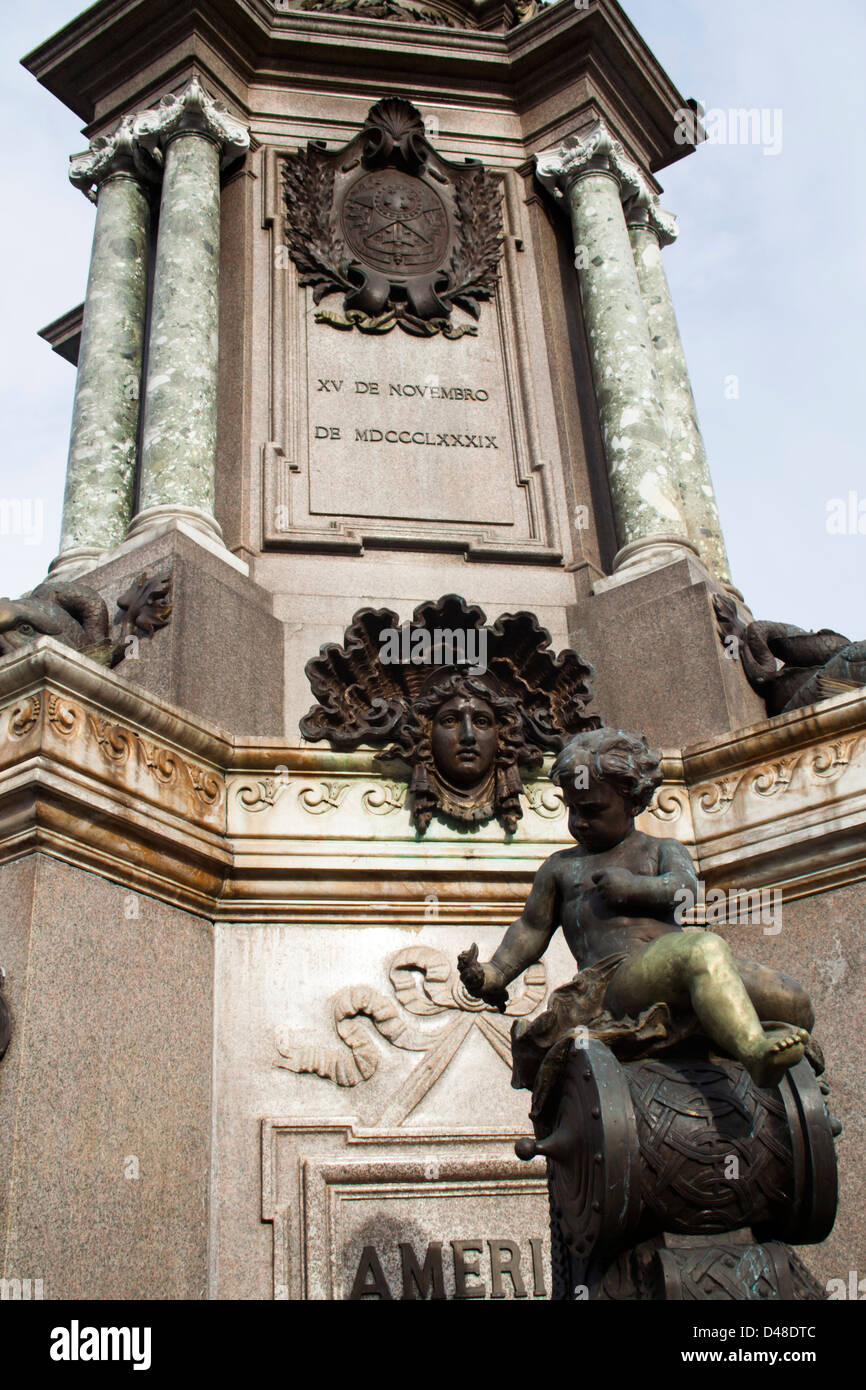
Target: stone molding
(136, 147)
(106, 776)
(596, 151)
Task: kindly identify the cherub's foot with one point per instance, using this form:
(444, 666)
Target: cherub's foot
(782, 1047)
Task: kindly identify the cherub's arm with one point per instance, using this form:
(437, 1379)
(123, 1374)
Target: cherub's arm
(523, 944)
(650, 892)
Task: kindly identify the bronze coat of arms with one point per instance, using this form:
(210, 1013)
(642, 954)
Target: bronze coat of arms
(404, 235)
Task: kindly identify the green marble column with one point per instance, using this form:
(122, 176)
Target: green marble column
(100, 477)
(179, 431)
(651, 528)
(687, 453)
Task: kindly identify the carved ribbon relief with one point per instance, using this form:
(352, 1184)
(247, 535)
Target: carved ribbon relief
(424, 984)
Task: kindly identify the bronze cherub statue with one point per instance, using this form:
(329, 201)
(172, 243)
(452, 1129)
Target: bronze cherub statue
(615, 894)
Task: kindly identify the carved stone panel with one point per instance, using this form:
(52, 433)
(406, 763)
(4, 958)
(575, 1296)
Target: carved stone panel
(402, 393)
(396, 1127)
(378, 1215)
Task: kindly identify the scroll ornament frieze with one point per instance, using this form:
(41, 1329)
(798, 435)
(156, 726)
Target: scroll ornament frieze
(384, 798)
(25, 717)
(383, 9)
(64, 719)
(117, 746)
(329, 796)
(316, 798)
(776, 777)
(380, 798)
(817, 766)
(76, 615)
(466, 728)
(545, 801)
(424, 984)
(449, 18)
(405, 236)
(668, 804)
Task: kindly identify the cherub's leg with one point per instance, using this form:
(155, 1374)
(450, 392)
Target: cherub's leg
(697, 968)
(775, 995)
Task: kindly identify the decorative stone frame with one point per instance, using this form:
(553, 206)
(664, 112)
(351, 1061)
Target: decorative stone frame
(311, 1169)
(286, 453)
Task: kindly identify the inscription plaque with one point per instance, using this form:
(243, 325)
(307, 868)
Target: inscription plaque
(429, 434)
(420, 434)
(415, 1213)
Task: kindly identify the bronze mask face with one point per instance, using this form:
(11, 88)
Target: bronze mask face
(466, 732)
(464, 740)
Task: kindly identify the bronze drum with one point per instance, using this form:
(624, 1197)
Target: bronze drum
(684, 1145)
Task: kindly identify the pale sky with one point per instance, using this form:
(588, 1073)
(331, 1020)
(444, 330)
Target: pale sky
(768, 277)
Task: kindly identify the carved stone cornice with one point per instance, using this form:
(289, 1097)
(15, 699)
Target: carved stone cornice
(191, 110)
(106, 776)
(596, 151)
(109, 155)
(498, 15)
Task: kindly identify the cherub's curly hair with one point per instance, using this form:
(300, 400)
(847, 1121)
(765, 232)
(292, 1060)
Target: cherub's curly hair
(612, 755)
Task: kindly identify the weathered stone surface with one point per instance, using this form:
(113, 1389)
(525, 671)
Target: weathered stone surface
(179, 439)
(113, 995)
(419, 1152)
(686, 451)
(637, 634)
(100, 477)
(324, 895)
(643, 488)
(317, 880)
(221, 657)
(820, 943)
(18, 881)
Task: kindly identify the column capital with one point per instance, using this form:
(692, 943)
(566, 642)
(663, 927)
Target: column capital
(596, 151)
(644, 210)
(192, 110)
(118, 153)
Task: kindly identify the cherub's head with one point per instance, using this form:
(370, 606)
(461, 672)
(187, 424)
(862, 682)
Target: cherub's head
(607, 778)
